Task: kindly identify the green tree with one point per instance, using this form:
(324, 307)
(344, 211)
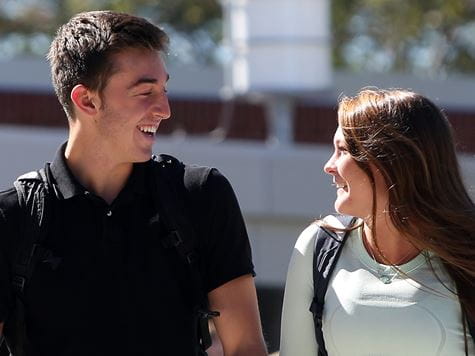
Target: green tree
(26, 27)
(428, 36)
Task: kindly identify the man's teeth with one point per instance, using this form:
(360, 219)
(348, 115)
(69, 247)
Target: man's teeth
(148, 129)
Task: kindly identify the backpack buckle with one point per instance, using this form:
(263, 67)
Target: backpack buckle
(18, 282)
(316, 309)
(208, 314)
(190, 257)
(173, 239)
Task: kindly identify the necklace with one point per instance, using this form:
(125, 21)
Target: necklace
(385, 273)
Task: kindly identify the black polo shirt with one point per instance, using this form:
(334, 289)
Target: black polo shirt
(111, 288)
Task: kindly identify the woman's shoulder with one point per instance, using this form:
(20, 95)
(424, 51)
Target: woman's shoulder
(306, 240)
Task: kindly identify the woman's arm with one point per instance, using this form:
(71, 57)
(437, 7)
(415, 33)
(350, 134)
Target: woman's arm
(298, 332)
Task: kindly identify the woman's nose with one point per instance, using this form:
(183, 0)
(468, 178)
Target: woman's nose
(329, 167)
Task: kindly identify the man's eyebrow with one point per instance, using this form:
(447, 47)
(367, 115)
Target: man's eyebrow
(145, 80)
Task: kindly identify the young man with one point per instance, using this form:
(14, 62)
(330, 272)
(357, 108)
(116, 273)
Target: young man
(108, 284)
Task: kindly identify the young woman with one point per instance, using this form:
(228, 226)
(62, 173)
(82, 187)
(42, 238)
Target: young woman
(404, 283)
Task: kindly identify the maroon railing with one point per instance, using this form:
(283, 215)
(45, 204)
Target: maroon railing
(234, 119)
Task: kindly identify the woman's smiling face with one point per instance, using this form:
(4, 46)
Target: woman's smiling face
(354, 188)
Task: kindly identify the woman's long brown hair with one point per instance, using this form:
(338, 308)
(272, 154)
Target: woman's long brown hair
(409, 139)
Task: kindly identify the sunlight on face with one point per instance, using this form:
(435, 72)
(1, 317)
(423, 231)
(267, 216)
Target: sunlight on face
(135, 103)
(354, 189)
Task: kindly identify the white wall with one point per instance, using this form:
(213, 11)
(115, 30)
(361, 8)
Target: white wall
(192, 81)
(280, 189)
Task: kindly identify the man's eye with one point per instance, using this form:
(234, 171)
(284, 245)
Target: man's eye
(146, 93)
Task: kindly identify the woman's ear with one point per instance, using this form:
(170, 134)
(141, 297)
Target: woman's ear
(85, 100)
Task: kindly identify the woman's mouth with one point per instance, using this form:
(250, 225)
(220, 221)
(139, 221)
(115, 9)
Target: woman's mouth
(339, 186)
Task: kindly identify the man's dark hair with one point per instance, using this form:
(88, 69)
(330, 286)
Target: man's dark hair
(81, 52)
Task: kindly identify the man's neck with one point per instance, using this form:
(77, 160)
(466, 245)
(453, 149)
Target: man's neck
(96, 170)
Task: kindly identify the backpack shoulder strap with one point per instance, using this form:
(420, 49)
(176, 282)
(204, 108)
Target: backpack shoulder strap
(471, 327)
(33, 190)
(328, 247)
(172, 181)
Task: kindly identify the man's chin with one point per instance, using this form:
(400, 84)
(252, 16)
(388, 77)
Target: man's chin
(142, 156)
(143, 159)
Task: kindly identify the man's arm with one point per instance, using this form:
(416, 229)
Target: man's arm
(239, 325)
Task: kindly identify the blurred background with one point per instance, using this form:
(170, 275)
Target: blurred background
(254, 89)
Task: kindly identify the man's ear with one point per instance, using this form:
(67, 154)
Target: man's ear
(85, 100)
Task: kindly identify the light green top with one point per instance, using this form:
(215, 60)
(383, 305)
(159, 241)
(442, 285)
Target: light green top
(371, 309)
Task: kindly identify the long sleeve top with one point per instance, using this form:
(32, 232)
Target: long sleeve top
(370, 308)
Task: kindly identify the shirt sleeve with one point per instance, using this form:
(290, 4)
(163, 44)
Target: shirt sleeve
(297, 330)
(226, 252)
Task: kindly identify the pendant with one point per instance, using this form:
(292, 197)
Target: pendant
(386, 279)
(387, 274)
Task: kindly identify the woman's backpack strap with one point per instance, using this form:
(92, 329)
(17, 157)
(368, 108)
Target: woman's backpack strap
(328, 247)
(470, 326)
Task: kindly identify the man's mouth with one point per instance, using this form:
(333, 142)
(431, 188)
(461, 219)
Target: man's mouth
(149, 130)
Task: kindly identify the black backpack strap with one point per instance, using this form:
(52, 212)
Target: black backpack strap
(470, 326)
(328, 247)
(34, 199)
(172, 181)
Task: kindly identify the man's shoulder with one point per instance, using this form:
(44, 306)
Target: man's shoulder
(8, 200)
(193, 176)
(10, 216)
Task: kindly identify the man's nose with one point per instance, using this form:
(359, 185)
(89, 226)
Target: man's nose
(162, 107)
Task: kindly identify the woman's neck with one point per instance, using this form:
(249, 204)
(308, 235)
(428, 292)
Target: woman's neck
(386, 244)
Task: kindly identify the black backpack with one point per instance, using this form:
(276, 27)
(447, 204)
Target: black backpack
(36, 194)
(328, 247)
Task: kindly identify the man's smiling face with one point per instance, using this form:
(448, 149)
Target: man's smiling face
(134, 102)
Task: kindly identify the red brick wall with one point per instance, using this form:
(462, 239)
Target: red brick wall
(314, 124)
(41, 109)
(463, 123)
(237, 119)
